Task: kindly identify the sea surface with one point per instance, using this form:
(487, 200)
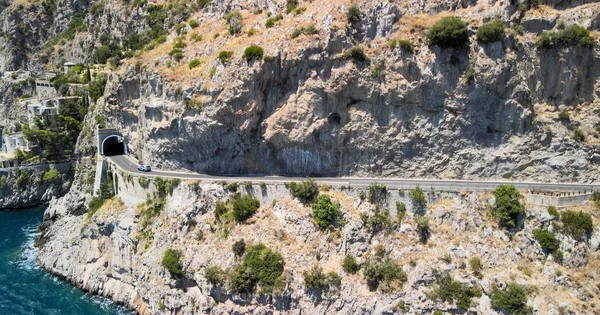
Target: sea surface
(27, 289)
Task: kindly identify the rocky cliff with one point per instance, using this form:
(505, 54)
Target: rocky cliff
(185, 96)
(117, 252)
(483, 111)
(34, 185)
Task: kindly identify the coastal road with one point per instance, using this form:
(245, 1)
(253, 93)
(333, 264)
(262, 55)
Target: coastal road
(129, 166)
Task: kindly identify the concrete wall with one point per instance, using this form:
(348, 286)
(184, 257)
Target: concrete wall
(559, 202)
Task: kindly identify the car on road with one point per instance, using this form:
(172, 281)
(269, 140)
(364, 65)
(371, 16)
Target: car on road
(144, 168)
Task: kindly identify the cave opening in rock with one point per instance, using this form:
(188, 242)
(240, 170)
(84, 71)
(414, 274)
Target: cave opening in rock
(113, 145)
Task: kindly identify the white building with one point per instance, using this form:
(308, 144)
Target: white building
(12, 142)
(67, 66)
(36, 108)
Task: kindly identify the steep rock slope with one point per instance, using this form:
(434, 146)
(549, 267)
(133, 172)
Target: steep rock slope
(117, 253)
(489, 110)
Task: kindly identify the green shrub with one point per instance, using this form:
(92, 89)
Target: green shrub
(422, 228)
(353, 14)
(547, 240)
(261, 266)
(244, 207)
(94, 204)
(234, 21)
(172, 262)
(196, 37)
(377, 193)
(325, 212)
(491, 32)
(564, 116)
(475, 264)
(513, 299)
(21, 156)
(316, 279)
(576, 224)
(356, 53)
(470, 74)
(453, 291)
(194, 23)
(215, 275)
(165, 187)
(596, 199)
(400, 207)
(578, 135)
(194, 63)
(309, 30)
(144, 182)
(239, 248)
(251, 31)
(270, 23)
(379, 221)
(448, 32)
(387, 271)
(553, 211)
(299, 11)
(569, 36)
(350, 265)
(417, 197)
(220, 209)
(23, 179)
(393, 43)
(179, 28)
(306, 191)
(291, 6)
(508, 205)
(253, 52)
(212, 72)
(51, 175)
(225, 56)
(406, 45)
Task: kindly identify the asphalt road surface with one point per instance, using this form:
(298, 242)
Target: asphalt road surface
(128, 165)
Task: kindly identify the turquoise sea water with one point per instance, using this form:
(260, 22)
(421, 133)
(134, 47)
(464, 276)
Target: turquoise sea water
(24, 287)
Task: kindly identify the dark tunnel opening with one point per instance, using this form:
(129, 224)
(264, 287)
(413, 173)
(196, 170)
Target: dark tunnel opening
(112, 146)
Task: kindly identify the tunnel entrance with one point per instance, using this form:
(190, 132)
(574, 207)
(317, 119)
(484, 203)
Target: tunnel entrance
(113, 145)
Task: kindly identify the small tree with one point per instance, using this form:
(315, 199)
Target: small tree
(172, 262)
(491, 32)
(578, 135)
(448, 32)
(244, 207)
(350, 265)
(353, 14)
(253, 52)
(225, 56)
(234, 21)
(508, 205)
(576, 224)
(215, 275)
(357, 53)
(553, 211)
(239, 248)
(417, 196)
(547, 240)
(513, 299)
(306, 191)
(261, 266)
(325, 212)
(194, 63)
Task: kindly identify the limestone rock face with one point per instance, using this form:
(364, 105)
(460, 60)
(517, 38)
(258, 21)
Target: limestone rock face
(26, 187)
(117, 253)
